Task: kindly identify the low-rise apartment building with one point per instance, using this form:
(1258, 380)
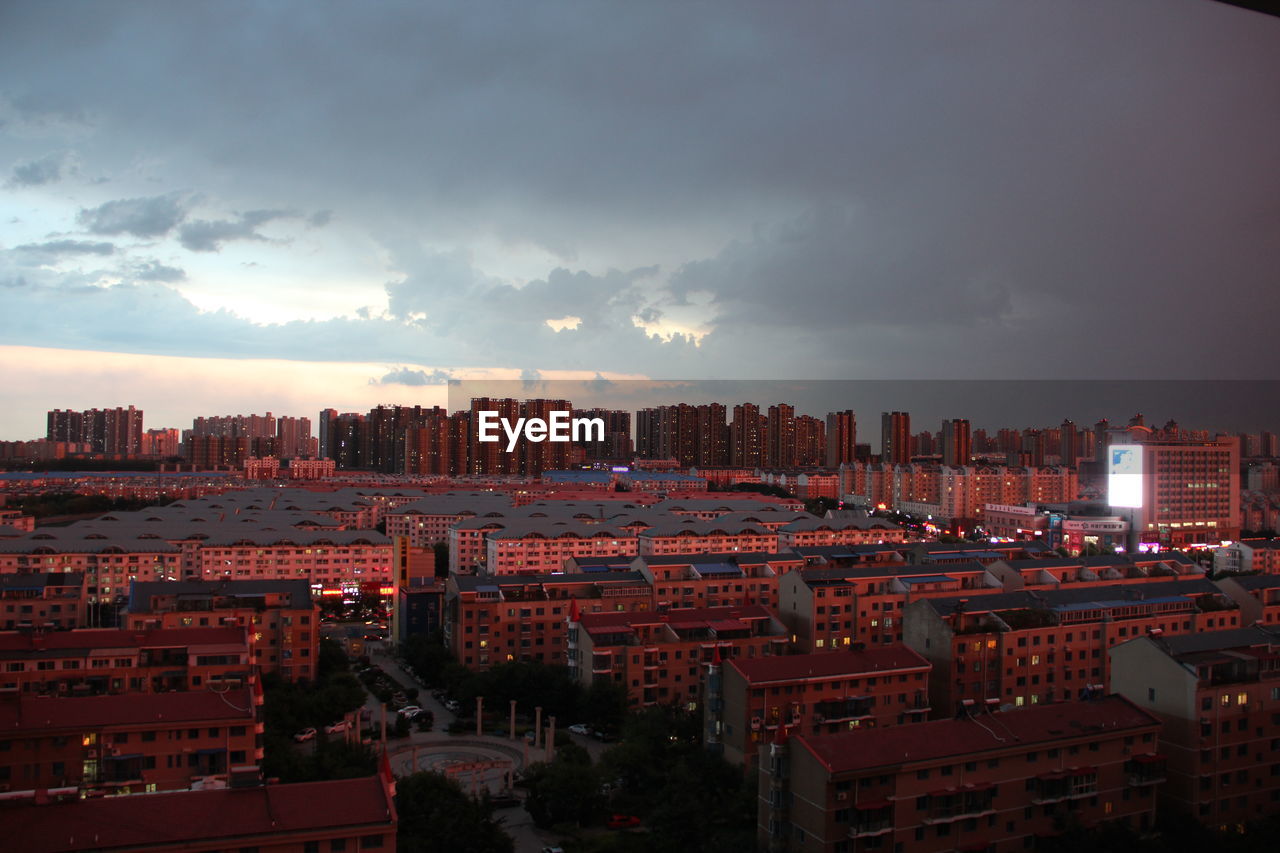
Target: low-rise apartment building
(54, 600)
(280, 614)
(508, 618)
(1218, 694)
(715, 580)
(1034, 646)
(92, 661)
(126, 744)
(814, 694)
(659, 656)
(828, 609)
(987, 781)
(350, 815)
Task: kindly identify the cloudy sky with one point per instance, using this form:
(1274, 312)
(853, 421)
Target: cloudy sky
(208, 207)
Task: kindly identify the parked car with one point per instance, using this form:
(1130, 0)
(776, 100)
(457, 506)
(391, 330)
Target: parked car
(623, 821)
(410, 711)
(452, 705)
(551, 850)
(335, 728)
(305, 735)
(580, 729)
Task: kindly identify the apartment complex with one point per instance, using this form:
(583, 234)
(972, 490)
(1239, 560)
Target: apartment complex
(1218, 695)
(986, 781)
(341, 816)
(659, 656)
(129, 743)
(92, 661)
(280, 615)
(811, 693)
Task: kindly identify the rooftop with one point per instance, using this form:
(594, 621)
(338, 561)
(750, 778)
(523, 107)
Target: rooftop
(104, 639)
(827, 664)
(24, 713)
(171, 819)
(141, 593)
(899, 746)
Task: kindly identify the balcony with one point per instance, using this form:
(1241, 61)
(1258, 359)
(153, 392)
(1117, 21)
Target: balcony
(1146, 770)
(957, 805)
(852, 708)
(874, 818)
(1065, 785)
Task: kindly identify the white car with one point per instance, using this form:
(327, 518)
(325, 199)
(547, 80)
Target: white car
(334, 728)
(305, 735)
(410, 711)
(580, 729)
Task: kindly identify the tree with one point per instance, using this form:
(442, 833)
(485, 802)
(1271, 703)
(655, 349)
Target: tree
(429, 657)
(436, 815)
(530, 683)
(563, 791)
(604, 706)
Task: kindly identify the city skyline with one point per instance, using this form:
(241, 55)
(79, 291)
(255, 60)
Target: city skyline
(864, 192)
(718, 426)
(1233, 406)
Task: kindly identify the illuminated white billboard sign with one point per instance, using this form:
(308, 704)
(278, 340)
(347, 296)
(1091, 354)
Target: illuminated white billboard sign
(1124, 475)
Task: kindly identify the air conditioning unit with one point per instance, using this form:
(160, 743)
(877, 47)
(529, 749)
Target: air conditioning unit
(842, 796)
(755, 723)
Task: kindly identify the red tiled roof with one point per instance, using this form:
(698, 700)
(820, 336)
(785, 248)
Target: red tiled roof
(827, 664)
(861, 749)
(26, 713)
(114, 638)
(146, 820)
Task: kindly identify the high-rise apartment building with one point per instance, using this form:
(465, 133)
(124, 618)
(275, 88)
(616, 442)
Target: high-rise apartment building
(617, 442)
(842, 438)
(780, 436)
(895, 438)
(746, 442)
(115, 432)
(957, 446)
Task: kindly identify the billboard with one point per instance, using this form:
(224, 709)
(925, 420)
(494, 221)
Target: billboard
(1124, 475)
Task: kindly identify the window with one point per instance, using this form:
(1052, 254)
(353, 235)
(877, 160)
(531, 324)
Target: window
(370, 842)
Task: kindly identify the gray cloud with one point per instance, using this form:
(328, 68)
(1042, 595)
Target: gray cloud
(68, 247)
(876, 189)
(46, 170)
(203, 235)
(413, 377)
(141, 217)
(156, 271)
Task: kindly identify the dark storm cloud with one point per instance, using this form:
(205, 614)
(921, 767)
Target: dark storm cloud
(46, 170)
(141, 217)
(988, 188)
